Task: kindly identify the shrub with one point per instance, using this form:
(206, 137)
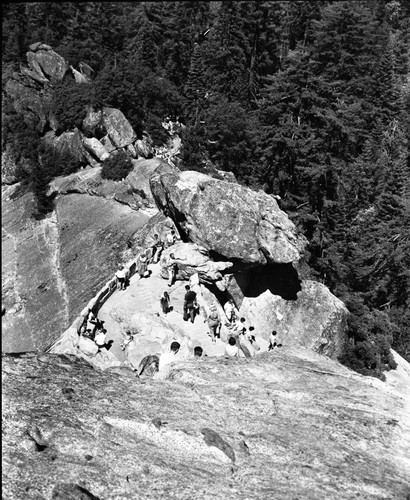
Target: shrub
(69, 103)
(371, 333)
(117, 166)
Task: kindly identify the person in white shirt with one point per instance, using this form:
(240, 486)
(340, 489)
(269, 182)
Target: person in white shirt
(169, 357)
(230, 310)
(99, 338)
(120, 276)
(231, 348)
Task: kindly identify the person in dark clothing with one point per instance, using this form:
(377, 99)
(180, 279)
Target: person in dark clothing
(189, 304)
(164, 300)
(198, 351)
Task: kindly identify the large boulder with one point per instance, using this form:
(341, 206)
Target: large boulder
(316, 320)
(92, 123)
(118, 127)
(95, 147)
(43, 60)
(143, 147)
(152, 336)
(193, 259)
(27, 101)
(133, 190)
(139, 178)
(233, 221)
(68, 144)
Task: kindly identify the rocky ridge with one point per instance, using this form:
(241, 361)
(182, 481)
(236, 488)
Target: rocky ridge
(287, 424)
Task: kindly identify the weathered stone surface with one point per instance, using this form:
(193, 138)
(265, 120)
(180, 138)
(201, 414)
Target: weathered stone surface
(27, 101)
(152, 336)
(95, 147)
(106, 142)
(144, 147)
(133, 190)
(298, 424)
(118, 127)
(8, 167)
(53, 267)
(193, 259)
(87, 346)
(233, 221)
(79, 77)
(316, 320)
(131, 151)
(52, 64)
(35, 75)
(92, 123)
(69, 144)
(139, 178)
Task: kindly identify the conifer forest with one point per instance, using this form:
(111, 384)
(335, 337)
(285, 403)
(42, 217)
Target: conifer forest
(307, 100)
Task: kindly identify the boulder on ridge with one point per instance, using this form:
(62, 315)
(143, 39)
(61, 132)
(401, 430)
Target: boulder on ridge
(45, 61)
(118, 127)
(233, 221)
(316, 320)
(192, 259)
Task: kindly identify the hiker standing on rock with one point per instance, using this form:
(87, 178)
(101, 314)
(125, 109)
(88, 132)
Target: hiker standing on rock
(120, 277)
(172, 267)
(164, 301)
(230, 311)
(189, 304)
(157, 247)
(214, 322)
(143, 265)
(170, 238)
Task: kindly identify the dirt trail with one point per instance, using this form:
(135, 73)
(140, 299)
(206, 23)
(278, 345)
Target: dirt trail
(142, 295)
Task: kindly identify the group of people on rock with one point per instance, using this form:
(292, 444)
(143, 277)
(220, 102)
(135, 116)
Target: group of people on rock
(239, 337)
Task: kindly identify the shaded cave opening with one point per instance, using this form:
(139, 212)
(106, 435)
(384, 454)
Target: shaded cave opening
(280, 279)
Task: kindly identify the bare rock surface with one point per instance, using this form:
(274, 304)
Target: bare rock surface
(231, 220)
(134, 190)
(316, 320)
(43, 60)
(118, 127)
(52, 268)
(192, 259)
(287, 424)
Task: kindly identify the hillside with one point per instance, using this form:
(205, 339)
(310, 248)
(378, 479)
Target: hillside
(287, 424)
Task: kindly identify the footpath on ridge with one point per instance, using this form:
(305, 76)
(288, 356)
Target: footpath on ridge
(142, 295)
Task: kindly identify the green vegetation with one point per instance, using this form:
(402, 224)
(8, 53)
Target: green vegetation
(116, 167)
(305, 99)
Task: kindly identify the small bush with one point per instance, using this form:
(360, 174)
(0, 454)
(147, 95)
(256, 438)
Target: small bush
(370, 333)
(70, 101)
(117, 166)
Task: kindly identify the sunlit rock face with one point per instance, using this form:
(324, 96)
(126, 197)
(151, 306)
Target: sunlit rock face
(285, 424)
(53, 267)
(232, 221)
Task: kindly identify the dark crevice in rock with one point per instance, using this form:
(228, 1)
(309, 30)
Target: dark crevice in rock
(279, 279)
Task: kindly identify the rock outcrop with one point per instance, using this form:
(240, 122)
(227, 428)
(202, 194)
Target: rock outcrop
(43, 60)
(52, 268)
(230, 220)
(316, 319)
(134, 190)
(118, 127)
(67, 144)
(194, 259)
(287, 424)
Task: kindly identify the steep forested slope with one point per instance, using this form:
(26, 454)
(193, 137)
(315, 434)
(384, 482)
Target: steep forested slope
(308, 99)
